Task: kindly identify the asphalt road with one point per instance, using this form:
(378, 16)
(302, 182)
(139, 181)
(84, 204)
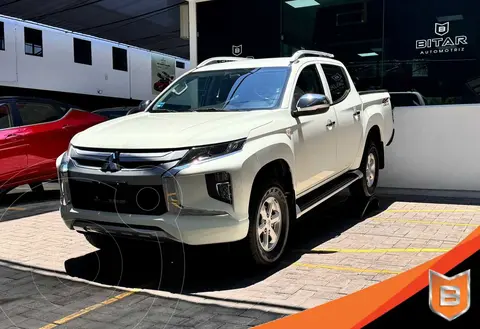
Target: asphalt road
(22, 202)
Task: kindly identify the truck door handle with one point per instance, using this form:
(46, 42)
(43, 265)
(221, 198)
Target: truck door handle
(330, 124)
(356, 113)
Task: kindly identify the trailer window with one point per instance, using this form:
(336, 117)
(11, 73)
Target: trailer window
(82, 51)
(2, 36)
(119, 59)
(33, 42)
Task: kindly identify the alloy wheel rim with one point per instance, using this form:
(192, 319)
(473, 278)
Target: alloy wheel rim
(370, 170)
(269, 224)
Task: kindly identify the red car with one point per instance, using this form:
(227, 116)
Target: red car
(33, 133)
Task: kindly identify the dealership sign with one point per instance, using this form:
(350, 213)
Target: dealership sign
(444, 43)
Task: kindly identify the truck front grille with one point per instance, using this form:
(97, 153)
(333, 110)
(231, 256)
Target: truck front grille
(117, 197)
(142, 160)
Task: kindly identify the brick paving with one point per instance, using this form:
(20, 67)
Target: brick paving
(328, 258)
(30, 301)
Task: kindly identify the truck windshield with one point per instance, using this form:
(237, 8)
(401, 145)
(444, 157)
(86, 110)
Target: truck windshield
(226, 90)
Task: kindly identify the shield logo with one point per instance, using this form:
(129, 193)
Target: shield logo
(237, 50)
(449, 297)
(442, 29)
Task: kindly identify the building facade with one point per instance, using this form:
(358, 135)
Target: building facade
(408, 45)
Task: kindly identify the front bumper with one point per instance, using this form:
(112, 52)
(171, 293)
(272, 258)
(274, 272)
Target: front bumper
(188, 229)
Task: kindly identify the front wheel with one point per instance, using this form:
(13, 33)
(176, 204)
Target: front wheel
(105, 242)
(269, 223)
(366, 186)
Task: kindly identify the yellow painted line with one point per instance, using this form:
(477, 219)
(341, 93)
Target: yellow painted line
(88, 310)
(383, 250)
(431, 210)
(15, 208)
(347, 269)
(380, 219)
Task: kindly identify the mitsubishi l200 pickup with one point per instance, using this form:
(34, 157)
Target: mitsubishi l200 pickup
(233, 151)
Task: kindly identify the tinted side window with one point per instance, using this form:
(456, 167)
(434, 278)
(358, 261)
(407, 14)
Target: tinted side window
(2, 36)
(33, 42)
(34, 113)
(308, 83)
(337, 81)
(5, 116)
(119, 59)
(82, 51)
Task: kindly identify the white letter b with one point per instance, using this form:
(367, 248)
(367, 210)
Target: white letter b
(449, 296)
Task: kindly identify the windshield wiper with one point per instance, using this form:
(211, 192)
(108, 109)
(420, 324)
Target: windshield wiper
(209, 109)
(163, 110)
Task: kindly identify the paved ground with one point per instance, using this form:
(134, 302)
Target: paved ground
(21, 202)
(331, 254)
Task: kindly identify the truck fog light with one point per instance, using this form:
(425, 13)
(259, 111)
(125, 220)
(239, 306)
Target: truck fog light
(219, 186)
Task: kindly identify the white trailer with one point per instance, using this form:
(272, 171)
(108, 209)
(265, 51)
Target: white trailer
(36, 57)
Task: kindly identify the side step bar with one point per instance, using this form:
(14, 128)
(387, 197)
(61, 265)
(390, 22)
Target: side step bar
(323, 193)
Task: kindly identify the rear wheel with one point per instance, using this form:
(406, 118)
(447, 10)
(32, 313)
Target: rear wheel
(366, 186)
(269, 223)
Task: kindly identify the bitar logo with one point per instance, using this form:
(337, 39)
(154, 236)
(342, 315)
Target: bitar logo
(237, 50)
(442, 29)
(442, 44)
(449, 297)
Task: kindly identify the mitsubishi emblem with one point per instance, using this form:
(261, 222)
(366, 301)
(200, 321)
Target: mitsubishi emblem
(112, 163)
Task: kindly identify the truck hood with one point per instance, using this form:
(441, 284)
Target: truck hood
(171, 130)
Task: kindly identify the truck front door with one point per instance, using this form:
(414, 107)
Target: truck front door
(315, 139)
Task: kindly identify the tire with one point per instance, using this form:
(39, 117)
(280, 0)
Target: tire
(262, 249)
(369, 166)
(104, 242)
(37, 187)
(4, 192)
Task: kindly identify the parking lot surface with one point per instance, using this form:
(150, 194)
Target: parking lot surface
(51, 277)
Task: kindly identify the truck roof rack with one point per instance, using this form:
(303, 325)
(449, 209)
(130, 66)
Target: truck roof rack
(309, 53)
(215, 60)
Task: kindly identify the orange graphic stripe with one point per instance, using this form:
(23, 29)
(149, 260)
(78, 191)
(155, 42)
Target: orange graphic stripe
(364, 306)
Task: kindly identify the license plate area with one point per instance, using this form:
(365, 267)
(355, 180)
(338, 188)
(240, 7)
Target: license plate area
(117, 197)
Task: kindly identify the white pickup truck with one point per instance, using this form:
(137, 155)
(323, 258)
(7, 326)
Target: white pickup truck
(234, 150)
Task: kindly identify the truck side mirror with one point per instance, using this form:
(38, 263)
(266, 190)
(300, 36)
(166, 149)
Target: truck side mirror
(310, 104)
(144, 104)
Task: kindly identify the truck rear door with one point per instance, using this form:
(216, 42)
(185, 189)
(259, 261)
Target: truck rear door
(348, 107)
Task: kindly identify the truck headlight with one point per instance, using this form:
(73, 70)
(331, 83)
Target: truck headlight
(62, 171)
(205, 153)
